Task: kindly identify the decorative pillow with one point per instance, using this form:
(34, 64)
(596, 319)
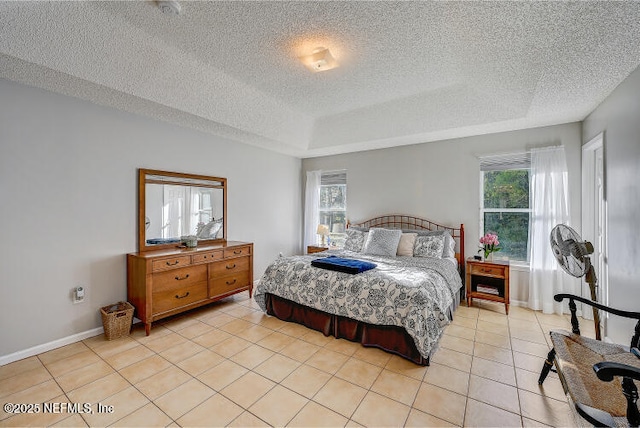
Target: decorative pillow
(382, 242)
(449, 243)
(209, 230)
(449, 246)
(407, 241)
(429, 246)
(216, 229)
(355, 240)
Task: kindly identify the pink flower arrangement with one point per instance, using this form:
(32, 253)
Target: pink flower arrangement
(489, 244)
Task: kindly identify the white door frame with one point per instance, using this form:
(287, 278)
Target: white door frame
(594, 218)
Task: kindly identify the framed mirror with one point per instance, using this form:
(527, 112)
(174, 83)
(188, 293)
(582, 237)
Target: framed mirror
(173, 205)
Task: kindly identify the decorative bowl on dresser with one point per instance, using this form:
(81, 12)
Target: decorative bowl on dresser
(165, 277)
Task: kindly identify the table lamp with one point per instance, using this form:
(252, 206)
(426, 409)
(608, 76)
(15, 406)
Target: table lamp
(323, 231)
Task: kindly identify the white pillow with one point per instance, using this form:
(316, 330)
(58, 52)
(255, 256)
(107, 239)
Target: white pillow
(429, 246)
(449, 246)
(405, 246)
(209, 230)
(382, 242)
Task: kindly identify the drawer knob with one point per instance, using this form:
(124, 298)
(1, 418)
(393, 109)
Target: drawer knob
(231, 266)
(183, 296)
(231, 282)
(174, 263)
(184, 277)
(237, 251)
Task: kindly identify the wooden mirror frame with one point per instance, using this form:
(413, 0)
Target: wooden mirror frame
(142, 181)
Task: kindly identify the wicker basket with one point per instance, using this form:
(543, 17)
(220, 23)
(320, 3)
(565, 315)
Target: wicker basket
(117, 319)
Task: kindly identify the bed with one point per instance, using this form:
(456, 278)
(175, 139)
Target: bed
(400, 306)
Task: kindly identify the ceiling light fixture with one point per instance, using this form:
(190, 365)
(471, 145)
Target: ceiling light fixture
(319, 60)
(170, 7)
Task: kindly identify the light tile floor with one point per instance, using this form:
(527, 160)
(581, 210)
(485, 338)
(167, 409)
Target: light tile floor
(230, 365)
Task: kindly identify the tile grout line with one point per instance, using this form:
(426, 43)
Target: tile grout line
(333, 375)
(515, 375)
(252, 369)
(133, 385)
(231, 310)
(64, 393)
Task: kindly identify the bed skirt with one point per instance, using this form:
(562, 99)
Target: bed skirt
(389, 338)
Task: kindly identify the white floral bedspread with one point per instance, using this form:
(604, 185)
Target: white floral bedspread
(410, 292)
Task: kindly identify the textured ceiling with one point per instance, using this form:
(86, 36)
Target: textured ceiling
(410, 72)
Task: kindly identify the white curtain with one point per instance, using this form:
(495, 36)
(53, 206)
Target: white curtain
(181, 209)
(311, 207)
(550, 206)
(173, 210)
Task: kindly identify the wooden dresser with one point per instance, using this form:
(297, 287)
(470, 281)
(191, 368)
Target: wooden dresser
(488, 280)
(169, 281)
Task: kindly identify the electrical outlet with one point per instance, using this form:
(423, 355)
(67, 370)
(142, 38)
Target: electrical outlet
(78, 294)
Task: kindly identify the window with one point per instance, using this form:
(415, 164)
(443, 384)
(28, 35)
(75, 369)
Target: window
(505, 207)
(332, 209)
(184, 207)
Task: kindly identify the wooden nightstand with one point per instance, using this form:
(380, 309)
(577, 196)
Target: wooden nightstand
(488, 280)
(316, 249)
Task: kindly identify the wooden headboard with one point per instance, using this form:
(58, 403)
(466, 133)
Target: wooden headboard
(399, 221)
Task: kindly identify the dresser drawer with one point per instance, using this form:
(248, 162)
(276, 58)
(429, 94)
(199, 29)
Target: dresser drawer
(206, 257)
(229, 283)
(228, 267)
(168, 281)
(170, 263)
(237, 251)
(176, 279)
(495, 271)
(179, 296)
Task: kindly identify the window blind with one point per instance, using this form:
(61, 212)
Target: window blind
(505, 161)
(330, 178)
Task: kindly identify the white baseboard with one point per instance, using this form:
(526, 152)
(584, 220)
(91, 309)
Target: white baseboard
(519, 303)
(39, 349)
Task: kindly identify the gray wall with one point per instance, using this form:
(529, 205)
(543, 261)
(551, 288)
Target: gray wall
(619, 118)
(68, 210)
(441, 180)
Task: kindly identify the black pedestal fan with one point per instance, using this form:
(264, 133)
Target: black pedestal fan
(572, 254)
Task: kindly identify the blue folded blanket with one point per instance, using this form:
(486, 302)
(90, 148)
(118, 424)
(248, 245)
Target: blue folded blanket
(342, 265)
(162, 241)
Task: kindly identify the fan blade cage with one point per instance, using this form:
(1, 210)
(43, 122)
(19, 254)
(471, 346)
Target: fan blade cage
(570, 250)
